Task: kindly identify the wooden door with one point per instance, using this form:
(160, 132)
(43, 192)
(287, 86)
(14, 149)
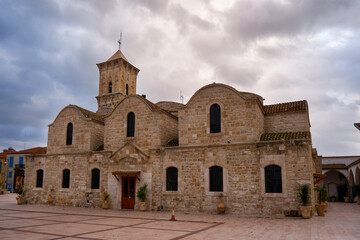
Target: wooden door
(128, 193)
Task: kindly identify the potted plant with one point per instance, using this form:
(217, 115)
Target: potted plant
(141, 195)
(356, 190)
(105, 198)
(20, 198)
(332, 198)
(221, 205)
(304, 191)
(321, 207)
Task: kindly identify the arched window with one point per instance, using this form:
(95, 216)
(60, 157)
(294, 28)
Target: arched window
(66, 178)
(127, 89)
(215, 118)
(172, 179)
(273, 183)
(39, 178)
(216, 179)
(130, 125)
(95, 178)
(69, 134)
(110, 87)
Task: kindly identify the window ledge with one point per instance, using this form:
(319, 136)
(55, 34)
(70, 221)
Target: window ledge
(171, 192)
(216, 194)
(274, 195)
(215, 134)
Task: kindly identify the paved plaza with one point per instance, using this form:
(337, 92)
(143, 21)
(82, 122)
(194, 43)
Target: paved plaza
(53, 222)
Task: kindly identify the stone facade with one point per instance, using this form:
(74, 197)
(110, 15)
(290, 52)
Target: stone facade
(168, 135)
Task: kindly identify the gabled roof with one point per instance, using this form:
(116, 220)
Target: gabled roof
(117, 55)
(88, 114)
(3, 154)
(35, 150)
(298, 106)
(285, 136)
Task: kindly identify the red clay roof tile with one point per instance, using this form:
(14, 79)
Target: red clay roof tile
(285, 136)
(298, 106)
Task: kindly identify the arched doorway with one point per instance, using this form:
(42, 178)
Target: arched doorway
(337, 185)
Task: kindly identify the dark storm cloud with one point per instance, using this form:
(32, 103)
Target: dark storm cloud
(282, 50)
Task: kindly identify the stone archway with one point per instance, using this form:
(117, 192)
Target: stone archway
(337, 184)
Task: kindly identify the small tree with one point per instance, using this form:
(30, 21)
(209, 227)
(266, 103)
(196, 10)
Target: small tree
(20, 190)
(141, 193)
(105, 195)
(324, 194)
(304, 194)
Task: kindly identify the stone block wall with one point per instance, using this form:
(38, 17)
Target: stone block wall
(57, 132)
(97, 135)
(80, 166)
(119, 72)
(295, 161)
(240, 179)
(287, 122)
(149, 125)
(168, 127)
(241, 117)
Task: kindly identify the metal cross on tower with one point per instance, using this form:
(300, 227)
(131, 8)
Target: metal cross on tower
(120, 41)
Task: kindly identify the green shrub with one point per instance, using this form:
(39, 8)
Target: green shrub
(141, 193)
(304, 191)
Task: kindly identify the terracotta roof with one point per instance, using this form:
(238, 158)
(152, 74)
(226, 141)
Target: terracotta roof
(284, 136)
(334, 166)
(357, 125)
(35, 150)
(299, 106)
(3, 154)
(117, 55)
(91, 115)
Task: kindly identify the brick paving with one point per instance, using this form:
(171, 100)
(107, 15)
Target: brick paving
(53, 222)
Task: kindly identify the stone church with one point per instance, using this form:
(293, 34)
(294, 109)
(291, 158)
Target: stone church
(222, 144)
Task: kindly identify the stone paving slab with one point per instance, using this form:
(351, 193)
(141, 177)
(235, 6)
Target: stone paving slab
(55, 222)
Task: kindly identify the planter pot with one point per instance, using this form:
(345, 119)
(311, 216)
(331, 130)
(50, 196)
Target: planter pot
(332, 199)
(50, 199)
(221, 207)
(143, 206)
(105, 204)
(305, 211)
(20, 200)
(358, 200)
(326, 206)
(346, 199)
(320, 209)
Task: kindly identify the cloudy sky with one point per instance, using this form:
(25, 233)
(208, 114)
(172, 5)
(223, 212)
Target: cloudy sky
(280, 49)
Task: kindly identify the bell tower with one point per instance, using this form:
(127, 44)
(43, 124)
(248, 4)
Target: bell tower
(117, 78)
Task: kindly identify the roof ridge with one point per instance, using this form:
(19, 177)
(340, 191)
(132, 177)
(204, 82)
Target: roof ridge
(285, 136)
(295, 106)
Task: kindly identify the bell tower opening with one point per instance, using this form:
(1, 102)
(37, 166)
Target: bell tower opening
(117, 79)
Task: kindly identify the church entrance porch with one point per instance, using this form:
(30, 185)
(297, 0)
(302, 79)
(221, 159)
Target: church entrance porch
(128, 192)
